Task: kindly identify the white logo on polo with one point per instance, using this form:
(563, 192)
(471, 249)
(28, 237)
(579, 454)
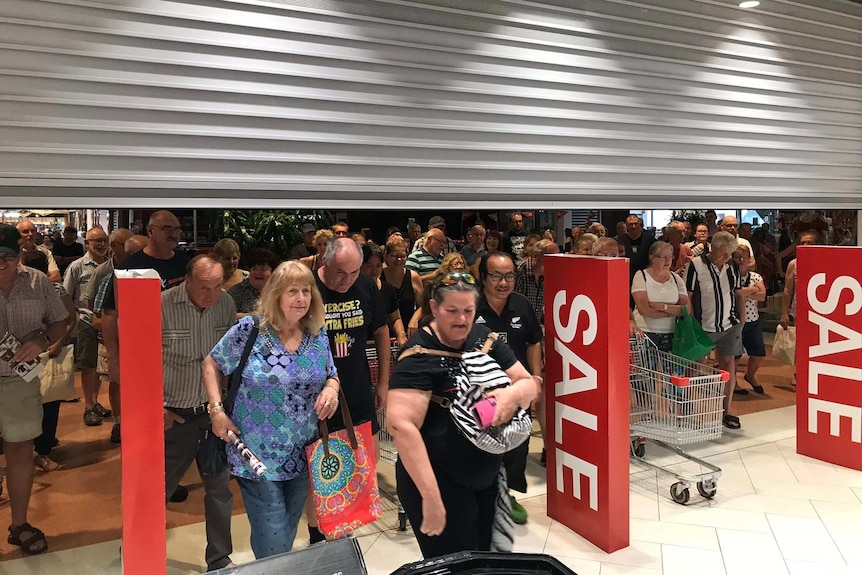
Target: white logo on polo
(516, 322)
(480, 319)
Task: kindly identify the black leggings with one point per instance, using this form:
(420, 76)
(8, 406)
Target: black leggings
(515, 462)
(50, 416)
(469, 515)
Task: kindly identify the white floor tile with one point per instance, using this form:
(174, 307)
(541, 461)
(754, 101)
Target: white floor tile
(581, 566)
(690, 561)
(611, 569)
(751, 553)
(674, 533)
(766, 462)
(805, 491)
(759, 503)
(804, 539)
(806, 568)
(569, 544)
(391, 550)
(721, 518)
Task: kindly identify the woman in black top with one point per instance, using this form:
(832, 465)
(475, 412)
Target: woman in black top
(448, 486)
(408, 286)
(372, 266)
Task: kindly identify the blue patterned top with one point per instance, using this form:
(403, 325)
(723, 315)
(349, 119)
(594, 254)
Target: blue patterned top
(274, 407)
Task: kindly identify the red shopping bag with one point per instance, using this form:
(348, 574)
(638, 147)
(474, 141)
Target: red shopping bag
(343, 477)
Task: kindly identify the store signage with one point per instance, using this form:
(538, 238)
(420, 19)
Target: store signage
(143, 447)
(587, 396)
(829, 354)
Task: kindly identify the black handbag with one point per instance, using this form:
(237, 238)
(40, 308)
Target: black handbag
(212, 450)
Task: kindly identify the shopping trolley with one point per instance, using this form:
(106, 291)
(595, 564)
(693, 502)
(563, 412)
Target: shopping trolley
(675, 402)
(388, 452)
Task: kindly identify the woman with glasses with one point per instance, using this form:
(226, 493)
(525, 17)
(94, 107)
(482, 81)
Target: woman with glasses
(407, 285)
(372, 266)
(447, 485)
(659, 295)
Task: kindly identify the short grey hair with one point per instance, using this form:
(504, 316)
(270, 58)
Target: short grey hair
(338, 245)
(724, 240)
(602, 242)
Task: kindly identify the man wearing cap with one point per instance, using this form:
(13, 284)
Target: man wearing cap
(437, 222)
(27, 229)
(307, 247)
(35, 316)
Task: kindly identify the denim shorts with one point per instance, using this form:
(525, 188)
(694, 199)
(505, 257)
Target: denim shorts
(752, 339)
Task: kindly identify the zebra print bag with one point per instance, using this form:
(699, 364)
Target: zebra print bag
(479, 373)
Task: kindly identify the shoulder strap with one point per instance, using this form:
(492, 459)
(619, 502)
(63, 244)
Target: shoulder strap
(489, 342)
(236, 377)
(413, 350)
(643, 273)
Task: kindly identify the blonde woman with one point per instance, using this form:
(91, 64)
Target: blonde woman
(288, 383)
(321, 240)
(226, 251)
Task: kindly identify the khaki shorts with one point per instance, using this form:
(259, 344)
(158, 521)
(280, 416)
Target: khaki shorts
(102, 364)
(20, 409)
(86, 354)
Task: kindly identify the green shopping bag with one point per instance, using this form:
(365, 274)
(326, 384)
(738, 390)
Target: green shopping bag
(689, 339)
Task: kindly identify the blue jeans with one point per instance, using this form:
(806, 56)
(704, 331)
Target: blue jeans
(274, 509)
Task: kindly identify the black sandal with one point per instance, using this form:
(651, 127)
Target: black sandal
(754, 385)
(32, 545)
(731, 422)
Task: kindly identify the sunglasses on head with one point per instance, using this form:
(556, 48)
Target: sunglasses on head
(452, 278)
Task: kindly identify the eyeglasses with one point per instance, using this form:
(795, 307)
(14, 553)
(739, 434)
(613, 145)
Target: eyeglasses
(452, 278)
(169, 229)
(340, 234)
(97, 241)
(398, 256)
(497, 277)
(7, 258)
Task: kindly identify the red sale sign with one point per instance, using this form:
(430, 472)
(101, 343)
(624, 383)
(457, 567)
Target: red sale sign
(587, 396)
(829, 354)
(143, 448)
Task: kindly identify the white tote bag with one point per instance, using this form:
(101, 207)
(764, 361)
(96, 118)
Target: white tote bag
(58, 377)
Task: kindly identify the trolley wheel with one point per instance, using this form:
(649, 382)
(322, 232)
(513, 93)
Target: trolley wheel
(402, 521)
(679, 493)
(707, 489)
(640, 449)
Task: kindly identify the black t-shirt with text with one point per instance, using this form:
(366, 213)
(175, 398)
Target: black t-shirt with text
(351, 320)
(450, 453)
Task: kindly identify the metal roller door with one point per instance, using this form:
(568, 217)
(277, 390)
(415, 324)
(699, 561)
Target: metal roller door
(383, 104)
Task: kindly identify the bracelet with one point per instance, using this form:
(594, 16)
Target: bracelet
(217, 407)
(539, 378)
(331, 386)
(401, 333)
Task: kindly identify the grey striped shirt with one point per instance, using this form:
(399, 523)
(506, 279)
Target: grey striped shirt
(31, 305)
(717, 291)
(188, 336)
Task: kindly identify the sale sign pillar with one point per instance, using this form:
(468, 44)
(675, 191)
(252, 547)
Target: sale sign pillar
(141, 399)
(829, 354)
(587, 396)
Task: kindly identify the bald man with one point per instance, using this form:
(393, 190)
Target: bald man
(27, 229)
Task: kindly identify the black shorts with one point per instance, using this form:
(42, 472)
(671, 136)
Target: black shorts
(752, 339)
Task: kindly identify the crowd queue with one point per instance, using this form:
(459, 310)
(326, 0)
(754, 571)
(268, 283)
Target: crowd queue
(306, 323)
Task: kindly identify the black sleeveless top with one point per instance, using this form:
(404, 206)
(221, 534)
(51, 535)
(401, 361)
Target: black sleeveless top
(406, 297)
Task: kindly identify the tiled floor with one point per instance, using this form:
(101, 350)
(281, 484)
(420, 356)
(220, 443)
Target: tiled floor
(775, 512)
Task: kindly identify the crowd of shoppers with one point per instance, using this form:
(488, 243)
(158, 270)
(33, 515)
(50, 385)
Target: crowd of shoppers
(315, 315)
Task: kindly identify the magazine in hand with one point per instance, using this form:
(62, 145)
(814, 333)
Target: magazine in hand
(29, 370)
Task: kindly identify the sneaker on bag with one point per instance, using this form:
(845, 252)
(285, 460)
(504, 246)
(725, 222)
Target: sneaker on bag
(101, 411)
(45, 463)
(519, 514)
(92, 418)
(115, 433)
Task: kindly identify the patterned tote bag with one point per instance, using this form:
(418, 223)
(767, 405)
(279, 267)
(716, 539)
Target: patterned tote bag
(343, 477)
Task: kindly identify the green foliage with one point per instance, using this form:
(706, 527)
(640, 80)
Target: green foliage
(277, 230)
(693, 217)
